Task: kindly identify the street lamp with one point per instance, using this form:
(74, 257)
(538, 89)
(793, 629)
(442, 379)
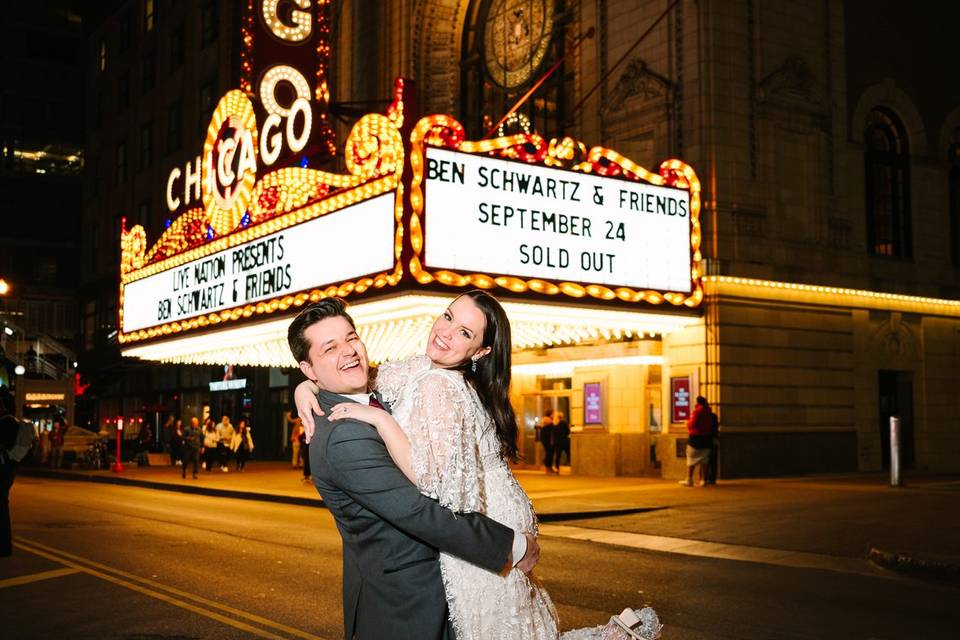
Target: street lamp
(19, 370)
(4, 287)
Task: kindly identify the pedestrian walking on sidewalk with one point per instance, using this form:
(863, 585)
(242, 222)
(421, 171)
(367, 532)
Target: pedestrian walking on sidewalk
(17, 439)
(561, 436)
(210, 440)
(225, 433)
(242, 444)
(174, 434)
(548, 436)
(296, 435)
(191, 437)
(56, 444)
(700, 436)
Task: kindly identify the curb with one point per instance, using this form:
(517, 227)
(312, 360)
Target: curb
(166, 486)
(284, 499)
(917, 565)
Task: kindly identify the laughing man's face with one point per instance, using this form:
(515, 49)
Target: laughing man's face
(337, 357)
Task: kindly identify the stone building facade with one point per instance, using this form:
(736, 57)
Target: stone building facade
(829, 170)
(826, 142)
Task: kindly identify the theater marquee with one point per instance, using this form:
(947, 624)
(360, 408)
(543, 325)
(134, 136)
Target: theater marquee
(498, 216)
(257, 229)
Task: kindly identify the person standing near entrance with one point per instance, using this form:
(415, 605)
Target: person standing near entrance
(296, 434)
(700, 436)
(225, 433)
(561, 432)
(17, 439)
(191, 438)
(209, 444)
(56, 444)
(548, 434)
(242, 444)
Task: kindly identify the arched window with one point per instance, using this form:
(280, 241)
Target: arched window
(507, 46)
(887, 178)
(954, 158)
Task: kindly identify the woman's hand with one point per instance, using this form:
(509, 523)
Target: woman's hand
(305, 397)
(359, 412)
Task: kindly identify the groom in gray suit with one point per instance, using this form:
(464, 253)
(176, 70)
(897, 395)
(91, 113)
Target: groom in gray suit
(391, 533)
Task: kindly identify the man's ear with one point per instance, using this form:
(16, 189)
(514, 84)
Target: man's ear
(307, 370)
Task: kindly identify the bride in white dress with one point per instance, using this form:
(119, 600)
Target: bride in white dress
(453, 432)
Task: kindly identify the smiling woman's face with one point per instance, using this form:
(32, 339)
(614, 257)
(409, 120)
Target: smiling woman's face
(457, 334)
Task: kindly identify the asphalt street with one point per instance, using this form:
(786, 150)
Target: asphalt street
(103, 561)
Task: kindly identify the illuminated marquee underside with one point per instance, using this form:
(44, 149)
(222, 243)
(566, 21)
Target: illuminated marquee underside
(398, 327)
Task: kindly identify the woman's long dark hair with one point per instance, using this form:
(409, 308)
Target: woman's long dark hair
(491, 380)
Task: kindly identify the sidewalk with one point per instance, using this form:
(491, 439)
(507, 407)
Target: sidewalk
(821, 520)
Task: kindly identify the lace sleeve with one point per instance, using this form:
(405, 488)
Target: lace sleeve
(393, 376)
(443, 443)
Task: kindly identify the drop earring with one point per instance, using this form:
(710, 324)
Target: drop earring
(473, 366)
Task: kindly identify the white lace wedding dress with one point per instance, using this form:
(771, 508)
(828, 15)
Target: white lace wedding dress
(456, 459)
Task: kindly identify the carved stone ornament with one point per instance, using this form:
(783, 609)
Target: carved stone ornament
(792, 81)
(895, 337)
(637, 80)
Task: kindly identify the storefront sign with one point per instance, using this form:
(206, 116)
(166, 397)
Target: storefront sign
(227, 385)
(680, 399)
(592, 403)
(353, 241)
(496, 216)
(44, 397)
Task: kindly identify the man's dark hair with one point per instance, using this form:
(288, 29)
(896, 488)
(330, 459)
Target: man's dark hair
(701, 401)
(326, 308)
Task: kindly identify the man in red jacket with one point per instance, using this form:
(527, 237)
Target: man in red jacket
(700, 430)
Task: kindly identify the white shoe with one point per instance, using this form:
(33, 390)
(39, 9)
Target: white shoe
(224, 469)
(179, 463)
(686, 483)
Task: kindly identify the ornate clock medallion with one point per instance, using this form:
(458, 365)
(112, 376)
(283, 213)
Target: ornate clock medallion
(516, 40)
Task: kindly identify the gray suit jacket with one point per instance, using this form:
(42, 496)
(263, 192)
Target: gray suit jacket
(391, 535)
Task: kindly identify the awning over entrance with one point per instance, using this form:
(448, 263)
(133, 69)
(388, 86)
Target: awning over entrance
(396, 327)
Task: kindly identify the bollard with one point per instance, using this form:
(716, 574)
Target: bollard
(895, 451)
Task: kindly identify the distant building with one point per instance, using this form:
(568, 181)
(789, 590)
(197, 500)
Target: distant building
(41, 139)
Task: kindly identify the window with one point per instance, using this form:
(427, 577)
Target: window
(117, 228)
(177, 46)
(495, 70)
(123, 91)
(102, 55)
(174, 126)
(149, 17)
(46, 271)
(146, 146)
(208, 100)
(120, 175)
(209, 23)
(954, 158)
(887, 182)
(89, 323)
(98, 110)
(124, 32)
(148, 71)
(93, 173)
